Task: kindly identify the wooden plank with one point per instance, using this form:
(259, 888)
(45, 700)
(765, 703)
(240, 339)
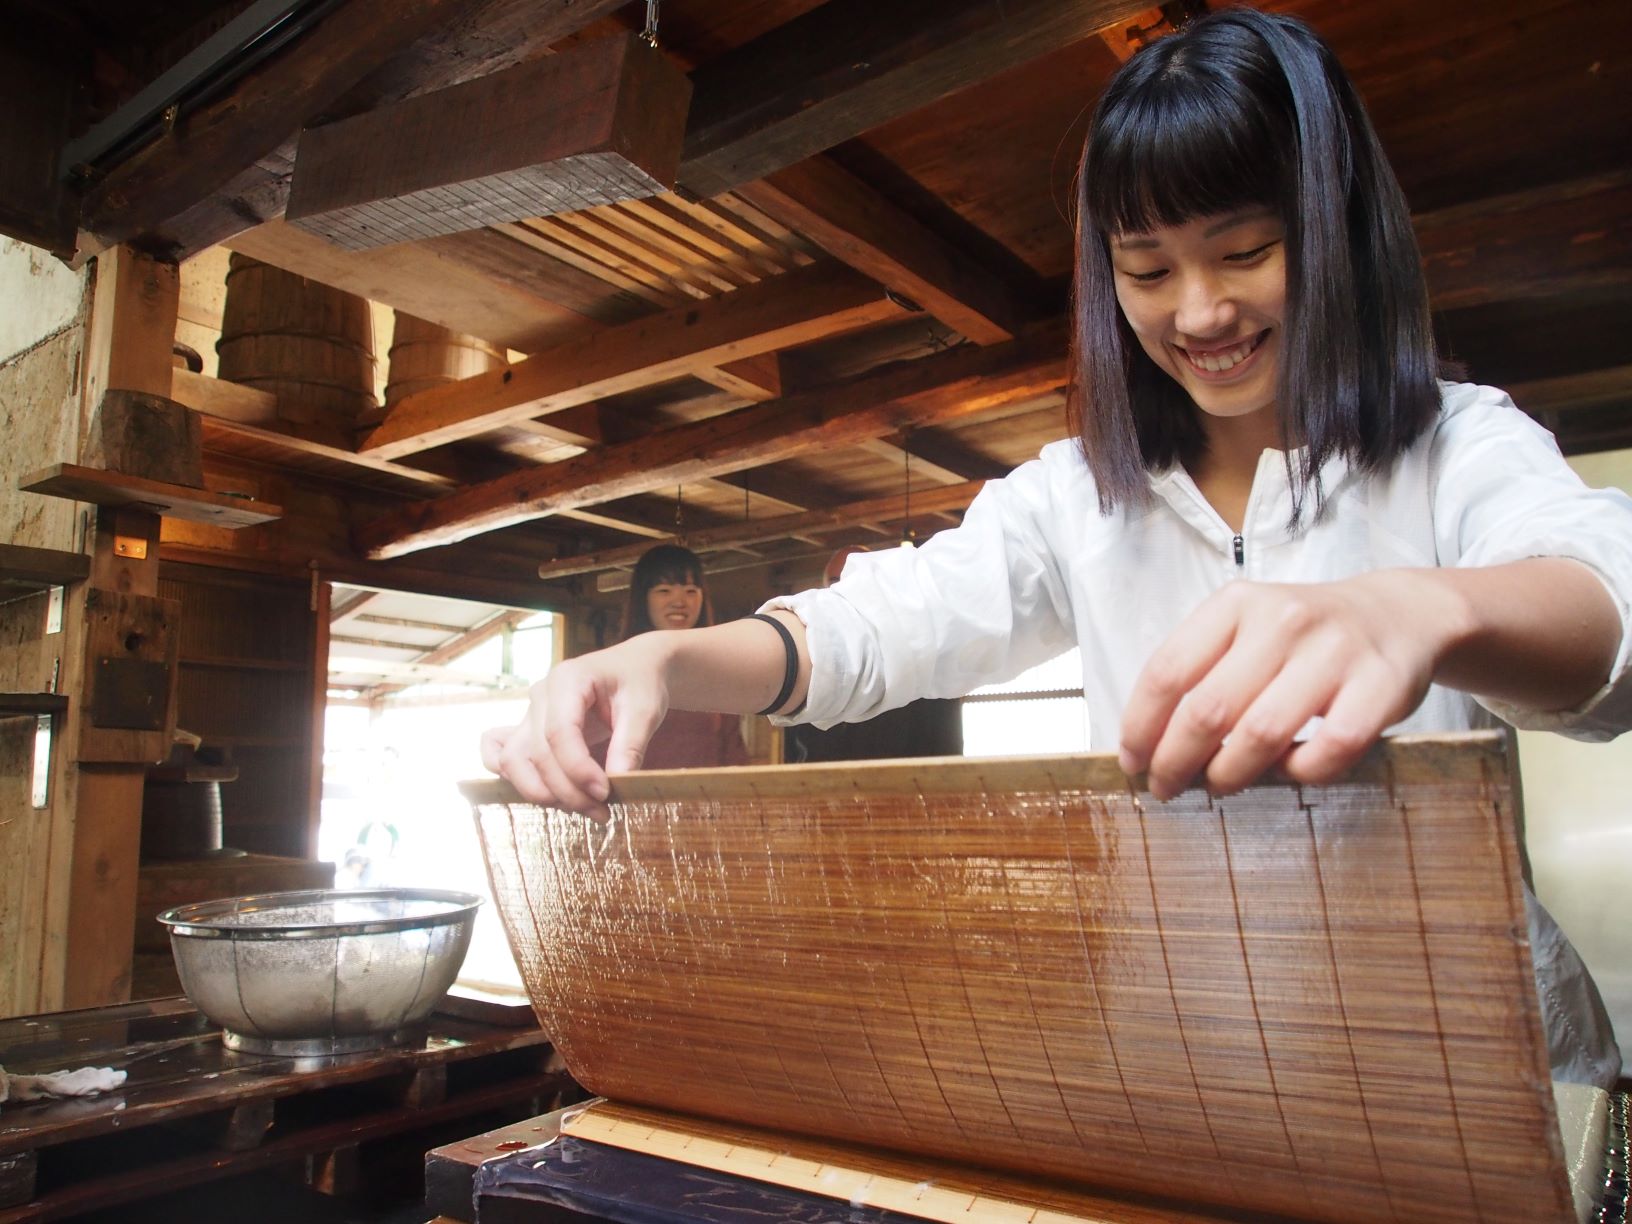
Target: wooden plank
(175, 501)
(596, 124)
(41, 567)
(756, 378)
(421, 279)
(221, 138)
(855, 224)
(219, 397)
(851, 65)
(801, 306)
(782, 526)
(1560, 239)
(958, 383)
(33, 703)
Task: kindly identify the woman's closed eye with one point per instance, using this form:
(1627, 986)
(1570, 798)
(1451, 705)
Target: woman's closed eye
(1149, 277)
(1252, 256)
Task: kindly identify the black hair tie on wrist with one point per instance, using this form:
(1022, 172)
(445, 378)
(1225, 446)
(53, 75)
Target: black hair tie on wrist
(790, 670)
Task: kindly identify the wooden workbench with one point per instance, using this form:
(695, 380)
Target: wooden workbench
(191, 1110)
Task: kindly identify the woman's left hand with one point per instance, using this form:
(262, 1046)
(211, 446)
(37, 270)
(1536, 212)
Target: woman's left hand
(1236, 682)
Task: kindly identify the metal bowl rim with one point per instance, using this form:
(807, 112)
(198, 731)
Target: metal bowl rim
(206, 919)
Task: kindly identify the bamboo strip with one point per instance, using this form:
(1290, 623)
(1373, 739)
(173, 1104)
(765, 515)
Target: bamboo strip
(1309, 1002)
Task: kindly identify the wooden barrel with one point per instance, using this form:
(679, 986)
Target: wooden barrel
(426, 355)
(307, 343)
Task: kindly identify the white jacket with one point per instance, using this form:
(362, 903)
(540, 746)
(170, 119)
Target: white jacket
(1036, 568)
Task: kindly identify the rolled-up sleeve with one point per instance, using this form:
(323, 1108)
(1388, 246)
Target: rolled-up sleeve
(1502, 492)
(973, 606)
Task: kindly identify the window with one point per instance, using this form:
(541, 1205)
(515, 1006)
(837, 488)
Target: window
(1040, 711)
(396, 746)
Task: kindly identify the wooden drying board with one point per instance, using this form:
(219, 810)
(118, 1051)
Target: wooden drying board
(1312, 1002)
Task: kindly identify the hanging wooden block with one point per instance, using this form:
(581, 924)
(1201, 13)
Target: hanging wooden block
(599, 123)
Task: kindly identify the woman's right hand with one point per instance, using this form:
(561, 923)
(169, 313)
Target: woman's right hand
(620, 692)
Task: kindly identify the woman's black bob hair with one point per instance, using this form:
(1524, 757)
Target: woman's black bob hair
(661, 564)
(1246, 109)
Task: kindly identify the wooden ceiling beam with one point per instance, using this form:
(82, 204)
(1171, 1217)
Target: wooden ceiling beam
(853, 223)
(1558, 239)
(947, 386)
(448, 281)
(212, 144)
(819, 301)
(228, 166)
(935, 456)
(469, 639)
(217, 402)
(1576, 392)
(783, 526)
(848, 66)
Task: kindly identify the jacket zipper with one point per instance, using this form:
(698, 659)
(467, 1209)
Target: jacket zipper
(1240, 552)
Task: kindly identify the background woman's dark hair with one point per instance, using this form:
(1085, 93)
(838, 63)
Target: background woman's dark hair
(1246, 109)
(664, 563)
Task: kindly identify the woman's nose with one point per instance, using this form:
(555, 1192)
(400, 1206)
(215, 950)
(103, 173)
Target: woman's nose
(1205, 308)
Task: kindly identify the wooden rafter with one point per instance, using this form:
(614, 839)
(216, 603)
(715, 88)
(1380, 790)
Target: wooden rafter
(420, 673)
(452, 649)
(848, 66)
(853, 223)
(814, 302)
(341, 608)
(783, 526)
(958, 383)
(1557, 239)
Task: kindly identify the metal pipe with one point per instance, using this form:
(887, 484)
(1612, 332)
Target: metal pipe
(261, 30)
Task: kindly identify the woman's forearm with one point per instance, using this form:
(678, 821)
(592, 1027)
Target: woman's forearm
(734, 668)
(1542, 633)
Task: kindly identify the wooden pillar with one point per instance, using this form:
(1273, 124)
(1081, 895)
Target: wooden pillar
(127, 639)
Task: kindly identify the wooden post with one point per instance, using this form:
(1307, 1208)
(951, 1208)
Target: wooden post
(125, 629)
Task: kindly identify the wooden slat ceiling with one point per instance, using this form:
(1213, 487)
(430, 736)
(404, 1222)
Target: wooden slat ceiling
(1507, 121)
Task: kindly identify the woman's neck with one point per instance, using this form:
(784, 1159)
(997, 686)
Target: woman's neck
(1224, 474)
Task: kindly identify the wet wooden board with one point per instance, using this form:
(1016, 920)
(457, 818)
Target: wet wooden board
(177, 1067)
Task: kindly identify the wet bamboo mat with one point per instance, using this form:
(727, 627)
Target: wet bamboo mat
(1311, 1002)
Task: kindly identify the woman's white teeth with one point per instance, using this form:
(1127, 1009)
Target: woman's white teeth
(1225, 359)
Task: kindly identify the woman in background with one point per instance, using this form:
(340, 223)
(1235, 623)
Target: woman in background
(668, 593)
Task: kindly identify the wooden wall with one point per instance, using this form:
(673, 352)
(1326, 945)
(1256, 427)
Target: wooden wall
(40, 424)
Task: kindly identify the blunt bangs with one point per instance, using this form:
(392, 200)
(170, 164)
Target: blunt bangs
(1188, 144)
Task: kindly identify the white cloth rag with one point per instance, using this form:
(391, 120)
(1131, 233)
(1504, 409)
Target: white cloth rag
(81, 1081)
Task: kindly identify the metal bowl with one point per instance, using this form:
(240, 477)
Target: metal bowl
(324, 971)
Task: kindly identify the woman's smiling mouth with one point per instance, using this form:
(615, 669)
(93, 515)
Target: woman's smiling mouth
(1212, 362)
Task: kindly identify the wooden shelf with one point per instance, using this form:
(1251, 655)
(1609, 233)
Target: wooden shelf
(32, 703)
(35, 569)
(173, 501)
